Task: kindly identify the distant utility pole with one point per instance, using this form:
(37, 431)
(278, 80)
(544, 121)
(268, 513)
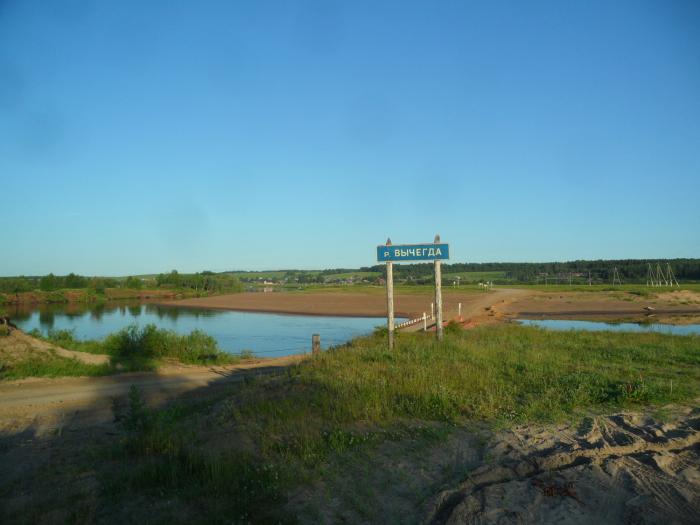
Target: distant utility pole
(616, 277)
(650, 276)
(660, 275)
(671, 276)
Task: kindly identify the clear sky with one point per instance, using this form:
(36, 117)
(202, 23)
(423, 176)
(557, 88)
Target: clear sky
(139, 137)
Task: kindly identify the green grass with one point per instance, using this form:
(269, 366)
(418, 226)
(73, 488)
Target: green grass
(361, 394)
(475, 277)
(354, 275)
(497, 374)
(52, 366)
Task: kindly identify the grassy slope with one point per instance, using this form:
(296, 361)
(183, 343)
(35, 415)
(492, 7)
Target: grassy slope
(129, 349)
(288, 427)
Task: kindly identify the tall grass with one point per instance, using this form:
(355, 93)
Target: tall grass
(235, 482)
(496, 374)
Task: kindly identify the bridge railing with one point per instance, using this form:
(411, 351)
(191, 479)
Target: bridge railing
(417, 320)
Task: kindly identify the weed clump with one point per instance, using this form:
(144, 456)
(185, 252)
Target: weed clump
(140, 348)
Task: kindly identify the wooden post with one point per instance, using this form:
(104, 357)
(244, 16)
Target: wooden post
(438, 295)
(425, 322)
(460, 311)
(432, 311)
(390, 299)
(316, 344)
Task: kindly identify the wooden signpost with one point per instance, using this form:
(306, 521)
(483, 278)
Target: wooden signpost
(390, 253)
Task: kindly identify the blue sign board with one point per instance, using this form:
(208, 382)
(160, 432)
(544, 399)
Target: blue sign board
(412, 252)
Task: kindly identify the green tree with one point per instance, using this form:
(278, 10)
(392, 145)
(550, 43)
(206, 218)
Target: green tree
(74, 281)
(50, 282)
(133, 282)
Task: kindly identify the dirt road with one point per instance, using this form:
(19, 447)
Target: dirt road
(48, 403)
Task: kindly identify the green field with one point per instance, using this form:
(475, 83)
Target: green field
(352, 275)
(475, 277)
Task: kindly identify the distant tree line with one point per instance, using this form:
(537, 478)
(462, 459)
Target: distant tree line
(631, 270)
(204, 281)
(51, 282)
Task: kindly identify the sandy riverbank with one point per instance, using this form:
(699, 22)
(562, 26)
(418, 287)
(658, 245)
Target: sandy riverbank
(335, 304)
(498, 305)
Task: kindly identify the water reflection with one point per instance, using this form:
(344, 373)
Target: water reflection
(46, 319)
(265, 334)
(135, 310)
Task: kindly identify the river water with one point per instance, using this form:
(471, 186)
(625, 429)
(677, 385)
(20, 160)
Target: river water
(565, 324)
(266, 335)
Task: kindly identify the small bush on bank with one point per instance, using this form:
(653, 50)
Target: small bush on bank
(138, 348)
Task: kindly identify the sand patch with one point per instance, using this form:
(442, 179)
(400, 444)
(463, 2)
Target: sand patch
(680, 296)
(623, 468)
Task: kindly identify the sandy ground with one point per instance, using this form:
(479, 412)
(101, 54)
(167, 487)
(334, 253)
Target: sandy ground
(602, 304)
(498, 305)
(349, 304)
(622, 468)
(629, 467)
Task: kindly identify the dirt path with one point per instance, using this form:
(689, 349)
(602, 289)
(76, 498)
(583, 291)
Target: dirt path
(480, 309)
(47, 403)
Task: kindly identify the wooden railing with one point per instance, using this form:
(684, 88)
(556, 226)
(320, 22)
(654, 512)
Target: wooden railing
(411, 322)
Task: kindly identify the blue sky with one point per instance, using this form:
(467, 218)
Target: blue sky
(139, 137)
